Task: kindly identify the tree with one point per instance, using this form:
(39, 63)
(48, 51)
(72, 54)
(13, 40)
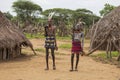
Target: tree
(107, 8)
(66, 18)
(27, 11)
(87, 16)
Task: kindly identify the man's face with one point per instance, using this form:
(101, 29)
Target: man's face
(49, 21)
(77, 31)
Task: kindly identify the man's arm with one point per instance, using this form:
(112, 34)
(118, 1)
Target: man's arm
(55, 39)
(82, 39)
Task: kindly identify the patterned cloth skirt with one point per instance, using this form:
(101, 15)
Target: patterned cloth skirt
(50, 42)
(50, 45)
(76, 47)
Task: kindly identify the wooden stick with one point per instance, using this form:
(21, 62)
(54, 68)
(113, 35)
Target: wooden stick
(116, 47)
(93, 36)
(100, 43)
(107, 50)
(33, 50)
(118, 59)
(110, 48)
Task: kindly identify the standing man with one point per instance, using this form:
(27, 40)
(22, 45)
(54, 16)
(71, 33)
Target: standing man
(50, 42)
(77, 44)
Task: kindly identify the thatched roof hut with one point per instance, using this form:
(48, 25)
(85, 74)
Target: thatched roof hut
(105, 34)
(11, 39)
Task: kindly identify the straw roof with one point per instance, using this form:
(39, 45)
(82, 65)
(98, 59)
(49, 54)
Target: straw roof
(106, 32)
(10, 35)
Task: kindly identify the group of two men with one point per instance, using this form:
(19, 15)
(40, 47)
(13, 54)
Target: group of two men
(51, 44)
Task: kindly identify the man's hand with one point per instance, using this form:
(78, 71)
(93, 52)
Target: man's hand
(83, 53)
(56, 48)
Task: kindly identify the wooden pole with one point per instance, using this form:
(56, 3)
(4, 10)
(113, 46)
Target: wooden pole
(116, 47)
(100, 43)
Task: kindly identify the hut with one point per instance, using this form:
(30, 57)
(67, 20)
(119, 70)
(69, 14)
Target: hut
(105, 34)
(11, 39)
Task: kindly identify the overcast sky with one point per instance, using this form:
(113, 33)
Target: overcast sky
(93, 5)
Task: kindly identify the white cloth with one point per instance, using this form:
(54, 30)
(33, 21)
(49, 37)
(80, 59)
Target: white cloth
(79, 37)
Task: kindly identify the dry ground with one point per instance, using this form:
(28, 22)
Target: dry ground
(32, 67)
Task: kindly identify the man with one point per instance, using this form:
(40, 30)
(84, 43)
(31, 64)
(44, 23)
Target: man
(50, 42)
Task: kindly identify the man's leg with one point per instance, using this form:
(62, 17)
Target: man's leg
(47, 58)
(77, 61)
(72, 61)
(53, 58)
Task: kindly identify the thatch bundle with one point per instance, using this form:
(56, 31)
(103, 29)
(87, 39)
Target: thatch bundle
(11, 39)
(105, 34)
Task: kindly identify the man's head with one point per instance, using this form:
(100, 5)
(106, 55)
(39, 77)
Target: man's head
(50, 22)
(76, 30)
(80, 26)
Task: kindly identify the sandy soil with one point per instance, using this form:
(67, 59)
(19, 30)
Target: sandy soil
(32, 67)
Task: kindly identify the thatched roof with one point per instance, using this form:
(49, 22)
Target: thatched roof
(10, 36)
(106, 32)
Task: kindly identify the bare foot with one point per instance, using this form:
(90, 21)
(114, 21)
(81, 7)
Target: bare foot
(54, 68)
(76, 70)
(71, 70)
(46, 69)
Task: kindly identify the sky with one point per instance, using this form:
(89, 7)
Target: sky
(94, 5)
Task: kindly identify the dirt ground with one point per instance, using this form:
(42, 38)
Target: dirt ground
(29, 67)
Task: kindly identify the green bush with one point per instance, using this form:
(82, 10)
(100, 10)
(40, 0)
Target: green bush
(40, 50)
(65, 46)
(28, 35)
(104, 55)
